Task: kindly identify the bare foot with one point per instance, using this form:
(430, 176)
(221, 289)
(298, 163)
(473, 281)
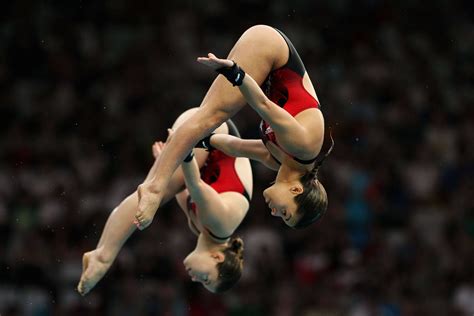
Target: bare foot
(93, 270)
(149, 200)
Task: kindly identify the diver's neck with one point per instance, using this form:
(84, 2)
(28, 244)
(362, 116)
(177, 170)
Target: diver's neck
(206, 243)
(287, 174)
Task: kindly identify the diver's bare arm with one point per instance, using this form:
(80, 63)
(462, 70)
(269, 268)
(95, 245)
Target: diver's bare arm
(290, 133)
(250, 148)
(213, 211)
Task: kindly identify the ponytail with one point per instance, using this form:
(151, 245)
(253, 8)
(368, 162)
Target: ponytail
(237, 246)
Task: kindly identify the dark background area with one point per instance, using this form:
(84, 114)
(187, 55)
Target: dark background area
(86, 87)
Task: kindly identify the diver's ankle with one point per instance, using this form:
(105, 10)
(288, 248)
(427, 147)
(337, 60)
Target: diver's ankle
(104, 256)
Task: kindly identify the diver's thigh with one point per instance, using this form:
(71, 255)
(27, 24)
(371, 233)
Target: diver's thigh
(258, 51)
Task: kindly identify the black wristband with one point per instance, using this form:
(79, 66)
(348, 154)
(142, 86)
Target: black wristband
(234, 74)
(189, 157)
(205, 143)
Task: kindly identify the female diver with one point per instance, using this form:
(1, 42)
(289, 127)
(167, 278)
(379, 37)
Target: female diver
(215, 203)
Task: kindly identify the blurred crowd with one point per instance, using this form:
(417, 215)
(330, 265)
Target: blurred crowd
(87, 87)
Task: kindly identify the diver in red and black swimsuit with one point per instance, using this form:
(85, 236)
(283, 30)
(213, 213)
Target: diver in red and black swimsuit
(292, 131)
(216, 200)
(214, 203)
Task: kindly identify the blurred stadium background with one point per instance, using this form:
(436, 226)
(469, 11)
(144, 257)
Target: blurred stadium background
(87, 86)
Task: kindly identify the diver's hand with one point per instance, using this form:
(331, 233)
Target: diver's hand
(157, 148)
(215, 63)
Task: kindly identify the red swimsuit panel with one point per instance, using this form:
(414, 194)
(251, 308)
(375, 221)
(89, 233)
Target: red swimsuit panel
(284, 86)
(219, 172)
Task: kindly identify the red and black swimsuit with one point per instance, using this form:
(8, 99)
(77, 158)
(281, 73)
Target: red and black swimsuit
(219, 172)
(284, 86)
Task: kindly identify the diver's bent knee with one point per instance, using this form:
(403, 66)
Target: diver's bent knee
(265, 43)
(259, 29)
(183, 117)
(261, 33)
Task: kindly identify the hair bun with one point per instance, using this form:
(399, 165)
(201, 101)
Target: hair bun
(237, 245)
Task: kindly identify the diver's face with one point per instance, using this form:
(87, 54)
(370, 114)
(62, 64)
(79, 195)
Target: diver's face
(201, 267)
(280, 198)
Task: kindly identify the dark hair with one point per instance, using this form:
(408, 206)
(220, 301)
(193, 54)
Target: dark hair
(313, 202)
(230, 270)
